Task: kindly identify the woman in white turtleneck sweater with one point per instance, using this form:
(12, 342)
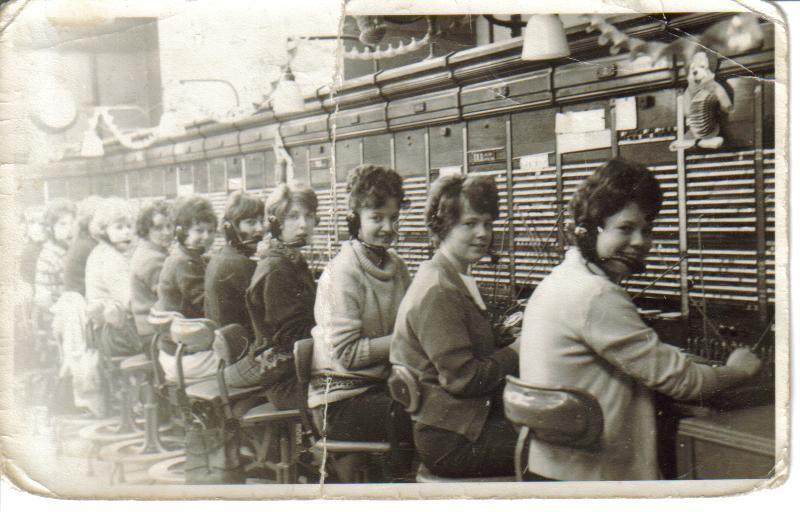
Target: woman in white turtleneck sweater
(358, 296)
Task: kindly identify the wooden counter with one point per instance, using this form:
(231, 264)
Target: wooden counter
(731, 444)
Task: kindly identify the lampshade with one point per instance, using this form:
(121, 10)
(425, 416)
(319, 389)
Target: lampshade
(92, 144)
(545, 38)
(287, 97)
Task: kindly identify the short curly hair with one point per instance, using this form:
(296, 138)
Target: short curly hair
(370, 186)
(110, 210)
(280, 201)
(192, 210)
(443, 209)
(613, 185)
(144, 221)
(55, 210)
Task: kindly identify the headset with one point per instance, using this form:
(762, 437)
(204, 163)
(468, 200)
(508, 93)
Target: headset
(234, 237)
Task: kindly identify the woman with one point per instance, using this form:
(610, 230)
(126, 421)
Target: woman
(581, 330)
(229, 271)
(357, 301)
(155, 231)
(280, 298)
(108, 282)
(181, 283)
(444, 336)
(80, 248)
(49, 280)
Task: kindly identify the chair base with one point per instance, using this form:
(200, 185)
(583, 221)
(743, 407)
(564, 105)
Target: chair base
(425, 476)
(169, 471)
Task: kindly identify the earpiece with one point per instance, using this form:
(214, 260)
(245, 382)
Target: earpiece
(274, 226)
(353, 225)
(180, 234)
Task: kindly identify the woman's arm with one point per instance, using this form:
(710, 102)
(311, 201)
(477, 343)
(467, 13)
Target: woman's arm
(615, 331)
(286, 310)
(441, 327)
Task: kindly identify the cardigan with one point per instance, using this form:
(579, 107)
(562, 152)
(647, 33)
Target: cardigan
(75, 263)
(146, 263)
(356, 305)
(280, 298)
(448, 343)
(108, 276)
(226, 280)
(581, 330)
(180, 285)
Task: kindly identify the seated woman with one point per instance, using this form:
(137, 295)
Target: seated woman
(82, 245)
(280, 298)
(180, 284)
(49, 279)
(229, 271)
(356, 305)
(155, 231)
(443, 335)
(108, 274)
(581, 330)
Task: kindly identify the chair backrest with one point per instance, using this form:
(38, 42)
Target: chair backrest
(404, 388)
(231, 343)
(162, 320)
(303, 352)
(567, 417)
(196, 334)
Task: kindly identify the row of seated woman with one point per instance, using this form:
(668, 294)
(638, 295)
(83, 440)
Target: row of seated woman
(428, 341)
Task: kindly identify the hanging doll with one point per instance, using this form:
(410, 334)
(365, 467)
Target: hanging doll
(703, 102)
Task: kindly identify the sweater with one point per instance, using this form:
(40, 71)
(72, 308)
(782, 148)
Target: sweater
(226, 280)
(181, 283)
(49, 280)
(108, 276)
(356, 306)
(280, 298)
(146, 263)
(582, 331)
(446, 339)
(75, 263)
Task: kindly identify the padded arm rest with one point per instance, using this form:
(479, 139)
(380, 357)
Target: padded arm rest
(266, 413)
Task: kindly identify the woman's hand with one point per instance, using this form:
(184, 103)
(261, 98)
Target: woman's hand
(744, 360)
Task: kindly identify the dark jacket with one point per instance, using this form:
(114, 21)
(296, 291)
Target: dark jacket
(227, 278)
(27, 264)
(180, 285)
(146, 264)
(447, 341)
(75, 263)
(280, 298)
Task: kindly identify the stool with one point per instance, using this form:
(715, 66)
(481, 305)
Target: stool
(282, 423)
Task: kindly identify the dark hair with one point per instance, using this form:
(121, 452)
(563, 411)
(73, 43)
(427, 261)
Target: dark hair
(144, 222)
(191, 210)
(240, 206)
(612, 186)
(54, 211)
(443, 209)
(370, 186)
(280, 201)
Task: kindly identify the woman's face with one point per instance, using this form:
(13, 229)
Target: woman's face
(62, 229)
(161, 231)
(298, 225)
(251, 228)
(378, 226)
(624, 241)
(200, 236)
(120, 234)
(469, 239)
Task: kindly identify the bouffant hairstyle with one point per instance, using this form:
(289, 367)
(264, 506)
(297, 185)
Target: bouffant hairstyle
(443, 209)
(371, 186)
(240, 206)
(144, 222)
(191, 210)
(612, 186)
(85, 212)
(54, 211)
(280, 202)
(110, 210)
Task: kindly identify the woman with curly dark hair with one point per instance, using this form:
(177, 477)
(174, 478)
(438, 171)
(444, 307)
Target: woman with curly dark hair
(581, 330)
(357, 300)
(444, 337)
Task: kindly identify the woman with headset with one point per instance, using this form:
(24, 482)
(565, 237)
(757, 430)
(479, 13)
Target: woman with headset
(181, 282)
(280, 297)
(357, 301)
(445, 339)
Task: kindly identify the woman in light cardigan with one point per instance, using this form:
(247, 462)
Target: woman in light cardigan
(357, 300)
(581, 330)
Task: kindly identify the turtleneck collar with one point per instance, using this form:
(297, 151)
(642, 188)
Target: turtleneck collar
(385, 273)
(377, 254)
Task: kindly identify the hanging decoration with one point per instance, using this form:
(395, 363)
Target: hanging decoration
(370, 31)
